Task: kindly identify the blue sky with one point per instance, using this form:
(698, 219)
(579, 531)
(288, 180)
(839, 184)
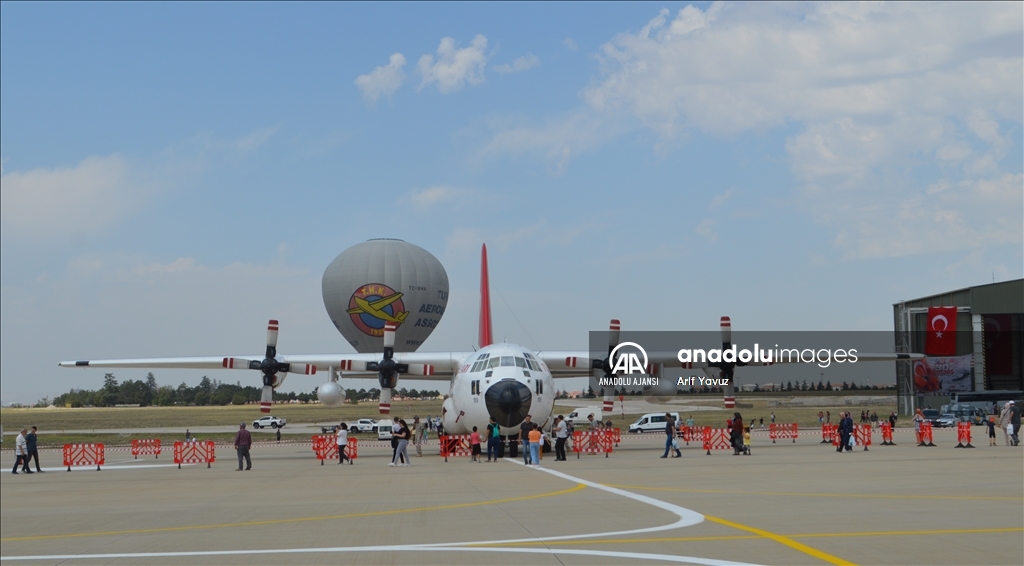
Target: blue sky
(176, 174)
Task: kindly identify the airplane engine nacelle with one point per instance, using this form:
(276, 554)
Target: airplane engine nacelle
(331, 394)
(388, 382)
(278, 380)
(663, 392)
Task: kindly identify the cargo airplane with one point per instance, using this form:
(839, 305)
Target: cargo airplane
(500, 380)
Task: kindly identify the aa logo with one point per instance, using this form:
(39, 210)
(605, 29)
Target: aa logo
(628, 362)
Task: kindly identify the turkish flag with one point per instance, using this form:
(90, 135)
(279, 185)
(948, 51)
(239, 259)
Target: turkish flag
(940, 336)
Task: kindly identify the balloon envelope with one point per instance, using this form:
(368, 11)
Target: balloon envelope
(380, 281)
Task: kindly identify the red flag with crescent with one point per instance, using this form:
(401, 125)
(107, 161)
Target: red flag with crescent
(940, 336)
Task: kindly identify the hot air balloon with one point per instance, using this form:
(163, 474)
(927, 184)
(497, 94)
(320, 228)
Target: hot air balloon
(385, 282)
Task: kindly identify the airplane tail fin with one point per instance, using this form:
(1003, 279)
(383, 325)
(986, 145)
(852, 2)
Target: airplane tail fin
(486, 335)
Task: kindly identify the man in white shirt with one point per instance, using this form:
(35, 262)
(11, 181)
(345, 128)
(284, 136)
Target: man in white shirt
(21, 453)
(561, 435)
(342, 442)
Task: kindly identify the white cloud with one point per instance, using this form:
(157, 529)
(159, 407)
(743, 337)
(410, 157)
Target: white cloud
(705, 230)
(425, 198)
(893, 106)
(384, 80)
(454, 67)
(521, 64)
(54, 204)
(723, 198)
(570, 44)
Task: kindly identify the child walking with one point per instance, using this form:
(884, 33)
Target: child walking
(746, 441)
(474, 440)
(991, 424)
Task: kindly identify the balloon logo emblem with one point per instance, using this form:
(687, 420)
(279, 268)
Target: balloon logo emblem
(374, 304)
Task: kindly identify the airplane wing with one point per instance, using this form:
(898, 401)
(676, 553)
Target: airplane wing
(422, 366)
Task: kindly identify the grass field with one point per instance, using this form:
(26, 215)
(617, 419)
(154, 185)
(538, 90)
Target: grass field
(53, 421)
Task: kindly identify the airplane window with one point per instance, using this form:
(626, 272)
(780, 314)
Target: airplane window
(520, 362)
(508, 361)
(495, 362)
(483, 356)
(533, 365)
(479, 365)
(528, 355)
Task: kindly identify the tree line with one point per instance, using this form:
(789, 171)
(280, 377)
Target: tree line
(148, 392)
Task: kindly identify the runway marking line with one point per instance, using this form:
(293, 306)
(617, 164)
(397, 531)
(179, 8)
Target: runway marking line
(801, 535)
(578, 487)
(794, 493)
(784, 540)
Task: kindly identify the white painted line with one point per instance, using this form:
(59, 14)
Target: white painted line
(686, 516)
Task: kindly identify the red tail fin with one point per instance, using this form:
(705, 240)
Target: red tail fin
(486, 336)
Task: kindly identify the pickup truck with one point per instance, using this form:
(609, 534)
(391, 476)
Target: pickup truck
(273, 422)
(363, 425)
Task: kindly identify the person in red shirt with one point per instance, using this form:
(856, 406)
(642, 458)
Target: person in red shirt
(243, 440)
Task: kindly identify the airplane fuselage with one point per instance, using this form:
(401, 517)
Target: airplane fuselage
(504, 381)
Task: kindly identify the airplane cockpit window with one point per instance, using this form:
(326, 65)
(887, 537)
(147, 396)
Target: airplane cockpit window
(520, 362)
(495, 362)
(508, 361)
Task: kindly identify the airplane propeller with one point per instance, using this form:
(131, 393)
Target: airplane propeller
(388, 370)
(603, 368)
(270, 367)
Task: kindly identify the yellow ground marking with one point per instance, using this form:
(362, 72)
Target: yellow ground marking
(300, 519)
(794, 493)
(750, 537)
(784, 540)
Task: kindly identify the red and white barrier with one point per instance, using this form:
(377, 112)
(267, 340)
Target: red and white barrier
(716, 439)
(783, 431)
(326, 448)
(862, 433)
(887, 435)
(830, 434)
(146, 447)
(84, 455)
(194, 453)
(925, 434)
(592, 442)
(455, 445)
(688, 434)
(963, 435)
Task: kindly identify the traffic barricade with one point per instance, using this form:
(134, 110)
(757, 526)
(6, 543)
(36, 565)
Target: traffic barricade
(325, 446)
(592, 442)
(963, 435)
(194, 453)
(455, 445)
(887, 435)
(830, 434)
(352, 450)
(84, 455)
(616, 434)
(926, 434)
(783, 431)
(688, 434)
(146, 447)
(862, 433)
(716, 439)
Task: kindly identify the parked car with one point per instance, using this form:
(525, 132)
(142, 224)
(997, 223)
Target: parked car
(271, 421)
(932, 416)
(363, 425)
(651, 422)
(947, 420)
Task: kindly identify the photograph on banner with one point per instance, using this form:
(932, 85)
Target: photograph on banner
(939, 376)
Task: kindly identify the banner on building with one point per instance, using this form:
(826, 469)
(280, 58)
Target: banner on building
(942, 375)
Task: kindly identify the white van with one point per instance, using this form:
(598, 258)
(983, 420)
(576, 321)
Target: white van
(384, 429)
(652, 422)
(578, 417)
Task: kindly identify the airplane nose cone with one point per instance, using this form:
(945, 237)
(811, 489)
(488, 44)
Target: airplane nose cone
(508, 401)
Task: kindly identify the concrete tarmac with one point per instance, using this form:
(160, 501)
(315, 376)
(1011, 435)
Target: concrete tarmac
(787, 503)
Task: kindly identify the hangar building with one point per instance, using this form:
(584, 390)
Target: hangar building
(990, 327)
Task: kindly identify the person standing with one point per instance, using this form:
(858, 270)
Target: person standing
(21, 453)
(188, 435)
(395, 427)
(31, 450)
(402, 450)
(243, 440)
(1015, 422)
(561, 435)
(847, 423)
(342, 436)
(991, 424)
(670, 435)
(535, 445)
(689, 422)
(736, 434)
(474, 443)
(1004, 422)
(773, 417)
(524, 437)
(419, 431)
(493, 438)
(892, 419)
